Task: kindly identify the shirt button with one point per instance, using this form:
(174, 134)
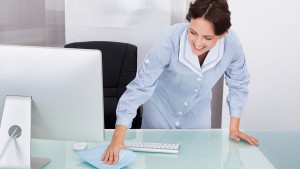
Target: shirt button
(196, 90)
(177, 123)
(198, 78)
(180, 113)
(186, 104)
(147, 61)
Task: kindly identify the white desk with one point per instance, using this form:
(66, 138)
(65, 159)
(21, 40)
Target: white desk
(207, 149)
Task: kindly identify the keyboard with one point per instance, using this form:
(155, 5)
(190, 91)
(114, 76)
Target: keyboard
(152, 147)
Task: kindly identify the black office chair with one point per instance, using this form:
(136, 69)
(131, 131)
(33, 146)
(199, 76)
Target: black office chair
(119, 62)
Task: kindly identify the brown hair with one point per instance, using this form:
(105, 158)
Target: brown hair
(214, 11)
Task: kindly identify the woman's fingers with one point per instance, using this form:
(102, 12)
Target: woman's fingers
(105, 157)
(111, 158)
(237, 135)
(252, 140)
(111, 155)
(116, 157)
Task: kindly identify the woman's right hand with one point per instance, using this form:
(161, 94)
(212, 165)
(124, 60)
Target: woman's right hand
(111, 155)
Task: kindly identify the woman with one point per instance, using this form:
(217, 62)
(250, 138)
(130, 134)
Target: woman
(174, 83)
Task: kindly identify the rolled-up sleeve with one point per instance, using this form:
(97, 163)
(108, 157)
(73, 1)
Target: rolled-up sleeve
(237, 79)
(141, 88)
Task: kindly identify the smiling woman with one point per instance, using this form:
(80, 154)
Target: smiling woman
(202, 37)
(207, 26)
(201, 51)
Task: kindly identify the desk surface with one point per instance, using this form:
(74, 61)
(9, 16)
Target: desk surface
(209, 149)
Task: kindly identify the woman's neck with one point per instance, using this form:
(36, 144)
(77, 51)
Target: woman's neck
(202, 57)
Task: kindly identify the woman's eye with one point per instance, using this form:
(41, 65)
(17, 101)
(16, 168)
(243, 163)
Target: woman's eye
(193, 33)
(208, 38)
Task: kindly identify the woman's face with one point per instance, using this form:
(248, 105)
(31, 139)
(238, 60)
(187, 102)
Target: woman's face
(201, 36)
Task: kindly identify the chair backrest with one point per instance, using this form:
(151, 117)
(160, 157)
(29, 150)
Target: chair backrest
(119, 68)
(216, 104)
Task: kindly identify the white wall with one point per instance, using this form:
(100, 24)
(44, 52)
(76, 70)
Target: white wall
(22, 22)
(55, 23)
(32, 22)
(270, 33)
(139, 22)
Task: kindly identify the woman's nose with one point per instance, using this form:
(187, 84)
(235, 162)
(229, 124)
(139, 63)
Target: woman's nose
(199, 42)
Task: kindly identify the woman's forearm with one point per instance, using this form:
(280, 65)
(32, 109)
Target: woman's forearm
(234, 123)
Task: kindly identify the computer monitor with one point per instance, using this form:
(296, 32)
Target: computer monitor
(65, 88)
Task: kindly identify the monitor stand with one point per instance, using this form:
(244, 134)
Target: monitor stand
(38, 163)
(15, 134)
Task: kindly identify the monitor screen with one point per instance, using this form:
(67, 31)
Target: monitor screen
(65, 86)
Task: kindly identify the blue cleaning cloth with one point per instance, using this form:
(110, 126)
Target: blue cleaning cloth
(93, 156)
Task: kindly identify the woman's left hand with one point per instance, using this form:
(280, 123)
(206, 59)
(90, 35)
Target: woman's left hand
(236, 135)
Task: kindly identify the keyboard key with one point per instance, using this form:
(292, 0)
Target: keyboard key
(152, 147)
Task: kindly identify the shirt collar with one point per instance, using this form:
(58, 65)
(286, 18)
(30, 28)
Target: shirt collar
(188, 58)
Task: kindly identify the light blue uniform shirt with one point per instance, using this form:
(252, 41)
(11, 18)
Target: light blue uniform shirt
(175, 91)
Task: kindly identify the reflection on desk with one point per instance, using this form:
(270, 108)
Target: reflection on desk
(209, 149)
(281, 148)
